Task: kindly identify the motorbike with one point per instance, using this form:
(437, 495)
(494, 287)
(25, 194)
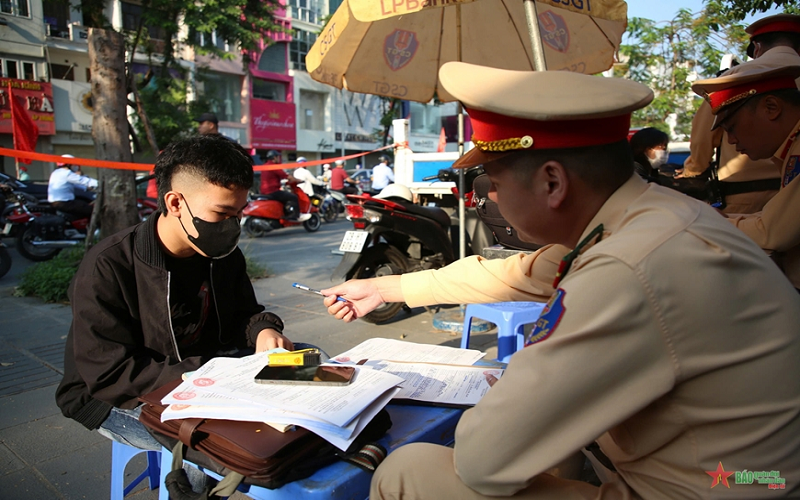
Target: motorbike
(332, 203)
(5, 257)
(396, 236)
(42, 231)
(262, 215)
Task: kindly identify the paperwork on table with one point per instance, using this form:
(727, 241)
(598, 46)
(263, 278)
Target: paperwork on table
(397, 350)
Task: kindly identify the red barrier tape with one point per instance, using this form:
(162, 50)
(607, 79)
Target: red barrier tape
(147, 167)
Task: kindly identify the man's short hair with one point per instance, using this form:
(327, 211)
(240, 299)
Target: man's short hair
(773, 39)
(209, 158)
(605, 167)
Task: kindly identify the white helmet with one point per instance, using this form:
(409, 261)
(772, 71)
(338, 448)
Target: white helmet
(395, 191)
(301, 159)
(339, 162)
(327, 166)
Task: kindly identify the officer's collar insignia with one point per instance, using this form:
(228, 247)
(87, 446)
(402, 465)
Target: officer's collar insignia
(566, 262)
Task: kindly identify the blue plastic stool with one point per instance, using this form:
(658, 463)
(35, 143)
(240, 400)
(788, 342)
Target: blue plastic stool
(509, 318)
(120, 456)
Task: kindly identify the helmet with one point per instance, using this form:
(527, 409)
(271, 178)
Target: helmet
(327, 166)
(301, 159)
(395, 191)
(339, 162)
(62, 163)
(383, 159)
(273, 154)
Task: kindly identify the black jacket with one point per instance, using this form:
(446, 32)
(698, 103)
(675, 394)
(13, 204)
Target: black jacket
(121, 343)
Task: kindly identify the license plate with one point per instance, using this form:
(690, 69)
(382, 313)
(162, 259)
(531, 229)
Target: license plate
(7, 228)
(353, 241)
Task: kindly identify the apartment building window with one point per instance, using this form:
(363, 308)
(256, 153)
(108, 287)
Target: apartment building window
(56, 17)
(273, 59)
(22, 70)
(425, 119)
(269, 90)
(299, 47)
(19, 8)
(312, 109)
(131, 17)
(306, 10)
(224, 93)
(62, 72)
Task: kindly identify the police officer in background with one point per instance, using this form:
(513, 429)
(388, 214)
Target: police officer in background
(669, 338)
(758, 107)
(65, 181)
(746, 184)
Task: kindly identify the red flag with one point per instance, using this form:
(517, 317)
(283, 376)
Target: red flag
(442, 142)
(24, 130)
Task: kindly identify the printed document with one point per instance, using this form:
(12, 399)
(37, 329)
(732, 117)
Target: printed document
(397, 350)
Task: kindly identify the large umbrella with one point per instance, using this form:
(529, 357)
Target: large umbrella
(394, 48)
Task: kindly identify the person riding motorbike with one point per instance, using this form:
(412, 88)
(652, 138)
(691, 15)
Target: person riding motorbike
(64, 182)
(271, 186)
(339, 177)
(306, 178)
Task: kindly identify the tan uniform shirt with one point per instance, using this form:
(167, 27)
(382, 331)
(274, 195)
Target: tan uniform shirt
(776, 228)
(674, 345)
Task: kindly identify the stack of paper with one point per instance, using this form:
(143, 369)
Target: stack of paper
(225, 388)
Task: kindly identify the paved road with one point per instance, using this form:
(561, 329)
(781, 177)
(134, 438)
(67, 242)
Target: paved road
(44, 455)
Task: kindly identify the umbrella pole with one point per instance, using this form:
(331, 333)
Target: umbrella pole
(462, 216)
(539, 63)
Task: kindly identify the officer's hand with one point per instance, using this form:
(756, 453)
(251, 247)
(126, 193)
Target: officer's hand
(490, 377)
(362, 298)
(269, 338)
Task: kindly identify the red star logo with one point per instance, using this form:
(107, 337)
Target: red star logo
(719, 475)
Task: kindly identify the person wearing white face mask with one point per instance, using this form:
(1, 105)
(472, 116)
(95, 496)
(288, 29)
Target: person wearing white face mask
(649, 147)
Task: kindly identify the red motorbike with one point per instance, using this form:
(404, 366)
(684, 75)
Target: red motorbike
(262, 214)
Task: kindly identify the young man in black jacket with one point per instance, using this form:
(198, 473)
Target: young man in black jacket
(159, 299)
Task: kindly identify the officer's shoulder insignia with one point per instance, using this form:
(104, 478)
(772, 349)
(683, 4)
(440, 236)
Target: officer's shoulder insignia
(549, 319)
(792, 169)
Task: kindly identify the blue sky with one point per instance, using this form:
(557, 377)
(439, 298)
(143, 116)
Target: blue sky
(664, 10)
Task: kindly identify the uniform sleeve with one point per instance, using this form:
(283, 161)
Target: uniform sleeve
(604, 361)
(475, 280)
(81, 181)
(775, 227)
(110, 351)
(702, 142)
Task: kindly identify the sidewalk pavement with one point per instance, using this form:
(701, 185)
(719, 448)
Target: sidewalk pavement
(44, 455)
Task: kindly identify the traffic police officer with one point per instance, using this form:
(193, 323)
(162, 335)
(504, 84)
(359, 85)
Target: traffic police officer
(759, 108)
(747, 184)
(650, 344)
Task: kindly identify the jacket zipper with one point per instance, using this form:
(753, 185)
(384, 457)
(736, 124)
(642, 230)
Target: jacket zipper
(216, 307)
(169, 314)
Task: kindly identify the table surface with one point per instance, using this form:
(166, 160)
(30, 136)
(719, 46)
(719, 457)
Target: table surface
(342, 480)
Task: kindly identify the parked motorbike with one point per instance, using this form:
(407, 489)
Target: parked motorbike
(5, 257)
(262, 214)
(396, 236)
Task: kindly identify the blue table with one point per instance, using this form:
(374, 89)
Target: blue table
(342, 480)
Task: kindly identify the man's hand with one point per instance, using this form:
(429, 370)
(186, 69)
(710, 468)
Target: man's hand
(363, 296)
(269, 338)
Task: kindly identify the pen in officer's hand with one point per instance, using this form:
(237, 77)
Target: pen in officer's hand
(307, 289)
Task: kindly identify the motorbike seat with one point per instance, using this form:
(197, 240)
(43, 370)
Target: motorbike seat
(261, 197)
(434, 213)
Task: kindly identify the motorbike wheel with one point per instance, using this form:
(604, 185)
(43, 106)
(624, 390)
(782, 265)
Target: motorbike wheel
(5, 261)
(252, 229)
(30, 251)
(381, 260)
(312, 225)
(330, 212)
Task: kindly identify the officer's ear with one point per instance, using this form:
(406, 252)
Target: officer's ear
(772, 107)
(553, 177)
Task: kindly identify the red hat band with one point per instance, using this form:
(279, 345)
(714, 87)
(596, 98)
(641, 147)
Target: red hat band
(724, 97)
(777, 26)
(496, 133)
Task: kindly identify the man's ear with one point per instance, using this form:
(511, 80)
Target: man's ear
(555, 176)
(772, 107)
(172, 201)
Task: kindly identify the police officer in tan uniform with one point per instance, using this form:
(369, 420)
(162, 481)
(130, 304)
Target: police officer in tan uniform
(759, 109)
(746, 184)
(671, 339)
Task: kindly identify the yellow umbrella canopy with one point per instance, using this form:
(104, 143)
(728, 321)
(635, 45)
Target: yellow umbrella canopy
(398, 50)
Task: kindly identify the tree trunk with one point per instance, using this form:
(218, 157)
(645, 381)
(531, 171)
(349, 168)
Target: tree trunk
(110, 129)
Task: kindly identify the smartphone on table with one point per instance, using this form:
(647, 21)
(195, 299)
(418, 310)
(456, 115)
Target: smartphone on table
(306, 375)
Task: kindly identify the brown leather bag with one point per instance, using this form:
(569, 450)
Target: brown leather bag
(259, 454)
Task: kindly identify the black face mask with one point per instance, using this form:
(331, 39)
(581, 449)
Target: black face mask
(215, 239)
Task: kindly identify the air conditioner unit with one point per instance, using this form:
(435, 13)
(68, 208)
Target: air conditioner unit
(78, 33)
